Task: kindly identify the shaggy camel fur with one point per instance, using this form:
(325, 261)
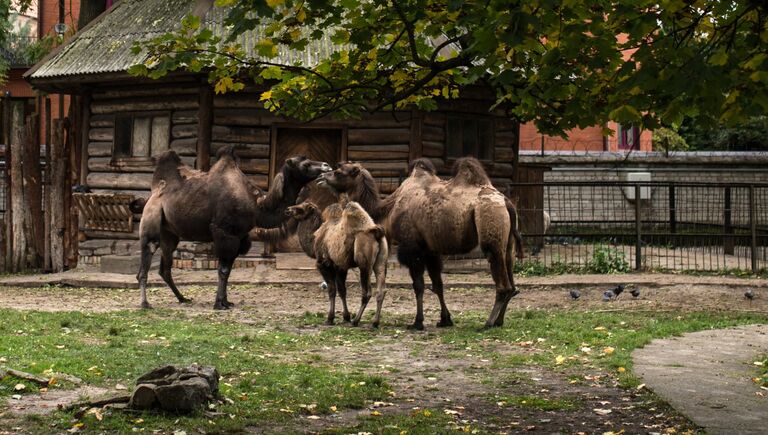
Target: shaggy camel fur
(218, 206)
(349, 238)
(429, 217)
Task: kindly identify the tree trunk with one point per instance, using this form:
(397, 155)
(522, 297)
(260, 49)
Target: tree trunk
(89, 9)
(19, 242)
(33, 194)
(58, 187)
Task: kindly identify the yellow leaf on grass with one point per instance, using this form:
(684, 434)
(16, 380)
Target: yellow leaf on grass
(559, 359)
(375, 413)
(621, 370)
(608, 350)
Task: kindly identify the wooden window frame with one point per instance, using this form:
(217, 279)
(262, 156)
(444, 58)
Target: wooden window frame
(132, 161)
(459, 119)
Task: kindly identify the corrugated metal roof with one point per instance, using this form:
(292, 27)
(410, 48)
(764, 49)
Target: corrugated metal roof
(105, 45)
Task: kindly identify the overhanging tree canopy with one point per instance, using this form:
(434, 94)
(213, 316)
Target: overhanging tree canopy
(561, 64)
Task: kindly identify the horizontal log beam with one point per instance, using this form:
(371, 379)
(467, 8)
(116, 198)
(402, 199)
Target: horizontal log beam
(105, 164)
(386, 169)
(99, 149)
(243, 135)
(184, 117)
(146, 91)
(101, 134)
(185, 147)
(244, 150)
(102, 121)
(433, 149)
(377, 136)
(378, 152)
(113, 180)
(144, 104)
(381, 120)
(184, 131)
(254, 166)
(434, 119)
(505, 139)
(240, 100)
(242, 117)
(433, 133)
(260, 180)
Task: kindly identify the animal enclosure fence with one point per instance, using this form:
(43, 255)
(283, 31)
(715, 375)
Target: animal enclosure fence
(621, 226)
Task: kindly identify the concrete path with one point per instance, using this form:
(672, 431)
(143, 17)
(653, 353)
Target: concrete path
(707, 375)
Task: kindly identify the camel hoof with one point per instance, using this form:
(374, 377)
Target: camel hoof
(355, 322)
(221, 306)
(145, 305)
(375, 325)
(229, 304)
(445, 323)
(416, 327)
(347, 318)
(185, 301)
(328, 322)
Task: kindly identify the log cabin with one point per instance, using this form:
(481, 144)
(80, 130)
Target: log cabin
(121, 122)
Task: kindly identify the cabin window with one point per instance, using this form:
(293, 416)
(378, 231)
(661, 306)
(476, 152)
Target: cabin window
(141, 136)
(629, 137)
(469, 137)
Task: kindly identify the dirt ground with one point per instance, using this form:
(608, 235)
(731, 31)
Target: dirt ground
(457, 386)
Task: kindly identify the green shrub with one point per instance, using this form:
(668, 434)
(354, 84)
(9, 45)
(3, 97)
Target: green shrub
(607, 260)
(666, 139)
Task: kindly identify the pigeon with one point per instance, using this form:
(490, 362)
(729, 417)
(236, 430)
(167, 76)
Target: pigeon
(749, 294)
(574, 294)
(323, 286)
(608, 295)
(635, 292)
(618, 289)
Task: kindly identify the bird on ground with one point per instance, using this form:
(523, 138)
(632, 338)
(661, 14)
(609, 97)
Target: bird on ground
(635, 292)
(618, 289)
(749, 294)
(574, 294)
(608, 295)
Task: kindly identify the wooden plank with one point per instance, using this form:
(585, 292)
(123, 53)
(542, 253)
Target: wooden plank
(503, 154)
(33, 193)
(185, 147)
(254, 166)
(399, 119)
(240, 100)
(19, 242)
(433, 149)
(378, 152)
(184, 130)
(243, 135)
(184, 117)
(47, 189)
(499, 170)
(435, 119)
(145, 91)
(433, 133)
(99, 149)
(504, 124)
(144, 104)
(97, 121)
(101, 134)
(118, 181)
(204, 125)
(416, 150)
(386, 169)
(85, 121)
(377, 136)
(262, 181)
(58, 188)
(239, 117)
(160, 140)
(244, 150)
(99, 234)
(141, 137)
(505, 139)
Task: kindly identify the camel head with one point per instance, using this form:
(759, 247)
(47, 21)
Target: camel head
(302, 211)
(303, 169)
(344, 178)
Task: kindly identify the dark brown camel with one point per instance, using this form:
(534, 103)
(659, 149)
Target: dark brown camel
(429, 217)
(218, 206)
(349, 238)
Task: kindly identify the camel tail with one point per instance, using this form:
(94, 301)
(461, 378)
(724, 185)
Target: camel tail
(137, 205)
(377, 232)
(514, 221)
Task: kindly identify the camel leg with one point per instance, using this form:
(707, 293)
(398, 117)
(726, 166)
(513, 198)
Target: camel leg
(226, 247)
(514, 244)
(168, 244)
(147, 251)
(365, 290)
(329, 275)
(380, 269)
(411, 257)
(505, 290)
(341, 288)
(435, 269)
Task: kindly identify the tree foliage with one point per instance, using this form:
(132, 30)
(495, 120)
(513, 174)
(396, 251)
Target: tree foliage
(7, 9)
(558, 63)
(749, 135)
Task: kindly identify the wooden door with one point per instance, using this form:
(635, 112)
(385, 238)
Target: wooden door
(322, 144)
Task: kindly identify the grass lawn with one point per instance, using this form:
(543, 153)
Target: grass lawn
(295, 375)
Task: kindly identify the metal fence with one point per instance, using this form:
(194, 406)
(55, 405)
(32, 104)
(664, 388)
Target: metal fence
(603, 227)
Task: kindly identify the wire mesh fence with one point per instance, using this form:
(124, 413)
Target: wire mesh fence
(621, 226)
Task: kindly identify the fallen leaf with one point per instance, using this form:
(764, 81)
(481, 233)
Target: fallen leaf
(16, 397)
(559, 359)
(60, 346)
(608, 350)
(621, 370)
(120, 387)
(586, 349)
(19, 387)
(600, 411)
(3, 359)
(758, 363)
(640, 387)
(451, 412)
(333, 408)
(375, 413)
(313, 417)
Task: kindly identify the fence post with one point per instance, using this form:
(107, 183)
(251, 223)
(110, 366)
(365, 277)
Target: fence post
(638, 241)
(727, 241)
(753, 227)
(672, 209)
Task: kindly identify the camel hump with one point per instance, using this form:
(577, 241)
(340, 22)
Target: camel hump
(424, 164)
(167, 168)
(470, 171)
(226, 151)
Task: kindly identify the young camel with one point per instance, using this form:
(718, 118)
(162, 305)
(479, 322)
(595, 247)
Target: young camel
(348, 238)
(429, 217)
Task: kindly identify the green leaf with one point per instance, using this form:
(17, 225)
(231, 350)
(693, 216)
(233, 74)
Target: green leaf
(625, 114)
